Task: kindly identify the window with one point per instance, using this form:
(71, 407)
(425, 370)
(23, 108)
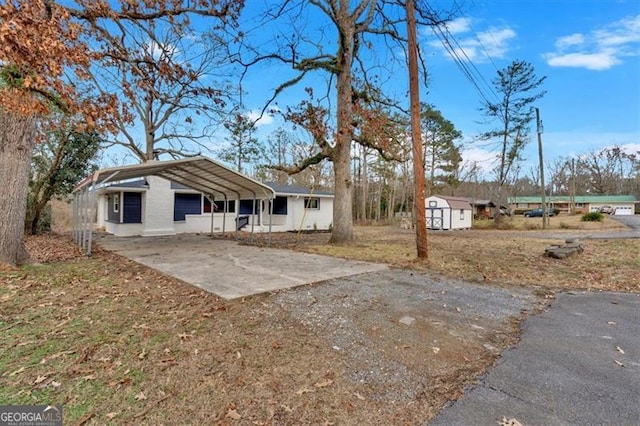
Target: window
(579, 204)
(312, 203)
(280, 205)
(246, 207)
(185, 204)
(218, 206)
(433, 204)
(116, 203)
(461, 214)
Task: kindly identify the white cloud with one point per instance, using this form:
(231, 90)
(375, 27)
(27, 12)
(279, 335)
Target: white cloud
(157, 50)
(591, 61)
(492, 43)
(483, 158)
(630, 148)
(570, 40)
(625, 31)
(459, 25)
(495, 41)
(265, 120)
(599, 50)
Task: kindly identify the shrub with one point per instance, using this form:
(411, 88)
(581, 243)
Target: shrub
(592, 217)
(564, 225)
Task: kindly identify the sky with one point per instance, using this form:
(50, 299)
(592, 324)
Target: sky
(588, 50)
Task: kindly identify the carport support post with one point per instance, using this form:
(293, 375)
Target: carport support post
(91, 199)
(225, 210)
(271, 202)
(237, 215)
(81, 213)
(253, 218)
(212, 201)
(74, 205)
(85, 216)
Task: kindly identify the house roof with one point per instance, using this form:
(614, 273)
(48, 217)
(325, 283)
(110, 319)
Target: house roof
(577, 198)
(461, 203)
(281, 189)
(199, 173)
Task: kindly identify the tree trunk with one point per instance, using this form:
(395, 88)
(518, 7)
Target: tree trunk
(364, 182)
(342, 232)
(17, 139)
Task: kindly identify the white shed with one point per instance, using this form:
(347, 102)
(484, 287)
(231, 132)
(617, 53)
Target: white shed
(447, 213)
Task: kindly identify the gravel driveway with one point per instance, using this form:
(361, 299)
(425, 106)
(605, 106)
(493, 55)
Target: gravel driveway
(403, 332)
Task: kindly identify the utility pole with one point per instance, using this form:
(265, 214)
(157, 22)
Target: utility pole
(539, 130)
(416, 137)
(573, 186)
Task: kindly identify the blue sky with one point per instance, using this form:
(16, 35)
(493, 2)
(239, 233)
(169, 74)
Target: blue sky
(589, 51)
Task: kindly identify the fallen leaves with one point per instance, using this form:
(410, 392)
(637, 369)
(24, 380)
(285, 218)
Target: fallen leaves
(304, 390)
(323, 383)
(16, 372)
(233, 414)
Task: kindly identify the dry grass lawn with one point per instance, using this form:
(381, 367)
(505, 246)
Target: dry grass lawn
(512, 257)
(118, 343)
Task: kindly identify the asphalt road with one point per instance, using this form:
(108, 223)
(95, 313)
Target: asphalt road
(632, 222)
(578, 363)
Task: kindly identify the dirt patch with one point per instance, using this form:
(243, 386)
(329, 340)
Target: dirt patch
(117, 342)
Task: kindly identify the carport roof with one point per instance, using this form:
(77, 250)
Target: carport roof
(199, 173)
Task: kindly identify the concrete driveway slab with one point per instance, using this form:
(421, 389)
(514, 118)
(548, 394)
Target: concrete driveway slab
(577, 364)
(228, 269)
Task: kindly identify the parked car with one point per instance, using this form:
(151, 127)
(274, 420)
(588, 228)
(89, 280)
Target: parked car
(538, 212)
(607, 210)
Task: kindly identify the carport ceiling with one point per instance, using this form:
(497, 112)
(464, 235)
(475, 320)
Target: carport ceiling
(199, 173)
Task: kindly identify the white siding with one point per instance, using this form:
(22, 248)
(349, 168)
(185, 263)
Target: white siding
(157, 208)
(298, 218)
(123, 229)
(202, 223)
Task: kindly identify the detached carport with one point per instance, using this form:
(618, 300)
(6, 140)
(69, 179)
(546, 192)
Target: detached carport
(199, 173)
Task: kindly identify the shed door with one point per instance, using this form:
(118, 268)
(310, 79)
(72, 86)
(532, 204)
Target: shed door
(435, 218)
(132, 205)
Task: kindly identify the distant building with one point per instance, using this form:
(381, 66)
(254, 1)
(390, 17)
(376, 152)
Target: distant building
(622, 204)
(448, 213)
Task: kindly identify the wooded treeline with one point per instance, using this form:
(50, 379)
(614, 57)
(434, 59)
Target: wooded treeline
(161, 79)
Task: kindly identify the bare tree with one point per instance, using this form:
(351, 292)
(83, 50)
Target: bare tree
(170, 82)
(518, 88)
(306, 53)
(607, 170)
(47, 48)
